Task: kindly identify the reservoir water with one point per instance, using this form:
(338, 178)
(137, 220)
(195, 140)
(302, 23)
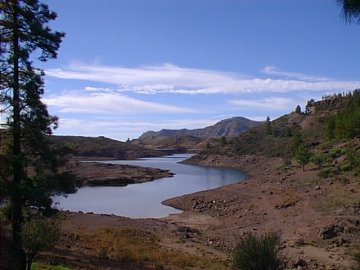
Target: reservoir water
(144, 200)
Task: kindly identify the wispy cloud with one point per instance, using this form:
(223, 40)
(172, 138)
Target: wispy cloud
(274, 103)
(169, 78)
(124, 128)
(107, 103)
(274, 71)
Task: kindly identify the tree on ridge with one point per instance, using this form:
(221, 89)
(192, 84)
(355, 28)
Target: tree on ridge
(350, 10)
(30, 162)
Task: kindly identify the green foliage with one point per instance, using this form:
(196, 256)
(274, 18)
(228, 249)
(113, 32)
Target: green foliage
(303, 155)
(39, 234)
(350, 10)
(295, 142)
(258, 252)
(337, 152)
(309, 105)
(346, 123)
(298, 109)
(268, 128)
(223, 141)
(330, 128)
(39, 266)
(328, 172)
(352, 159)
(318, 159)
(357, 261)
(29, 165)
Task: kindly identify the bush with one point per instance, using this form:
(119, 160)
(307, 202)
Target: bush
(258, 252)
(328, 172)
(336, 152)
(357, 261)
(39, 234)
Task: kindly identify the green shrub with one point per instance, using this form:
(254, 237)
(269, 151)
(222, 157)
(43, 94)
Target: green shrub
(347, 166)
(258, 252)
(337, 152)
(328, 172)
(357, 262)
(39, 234)
(318, 159)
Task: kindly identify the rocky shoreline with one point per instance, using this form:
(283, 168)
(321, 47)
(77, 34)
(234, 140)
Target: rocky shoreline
(106, 174)
(317, 231)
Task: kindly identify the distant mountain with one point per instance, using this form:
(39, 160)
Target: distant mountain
(226, 128)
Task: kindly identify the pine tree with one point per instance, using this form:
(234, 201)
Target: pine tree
(303, 155)
(24, 32)
(268, 128)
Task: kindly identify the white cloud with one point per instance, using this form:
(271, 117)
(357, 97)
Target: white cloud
(125, 128)
(107, 103)
(169, 78)
(98, 89)
(271, 70)
(274, 103)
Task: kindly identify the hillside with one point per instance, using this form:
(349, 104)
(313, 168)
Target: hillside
(196, 138)
(226, 128)
(103, 147)
(303, 167)
(325, 123)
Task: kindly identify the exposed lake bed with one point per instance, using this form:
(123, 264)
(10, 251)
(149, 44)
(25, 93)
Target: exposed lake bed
(211, 222)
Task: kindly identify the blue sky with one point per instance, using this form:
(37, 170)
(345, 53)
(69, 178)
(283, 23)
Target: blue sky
(128, 66)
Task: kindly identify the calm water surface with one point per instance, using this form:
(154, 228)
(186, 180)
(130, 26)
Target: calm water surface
(144, 200)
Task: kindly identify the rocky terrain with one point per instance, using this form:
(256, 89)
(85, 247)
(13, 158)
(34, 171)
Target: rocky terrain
(310, 197)
(319, 221)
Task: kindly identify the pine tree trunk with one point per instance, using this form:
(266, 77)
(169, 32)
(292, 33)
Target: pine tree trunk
(17, 162)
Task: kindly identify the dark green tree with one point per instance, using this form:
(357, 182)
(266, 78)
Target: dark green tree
(268, 128)
(303, 155)
(295, 142)
(298, 109)
(30, 161)
(309, 105)
(318, 159)
(350, 10)
(39, 234)
(223, 141)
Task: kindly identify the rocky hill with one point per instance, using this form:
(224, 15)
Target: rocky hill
(324, 122)
(187, 139)
(226, 128)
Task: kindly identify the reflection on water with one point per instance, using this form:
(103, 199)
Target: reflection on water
(144, 200)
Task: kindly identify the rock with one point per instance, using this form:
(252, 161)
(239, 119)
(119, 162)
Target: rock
(187, 232)
(300, 263)
(331, 231)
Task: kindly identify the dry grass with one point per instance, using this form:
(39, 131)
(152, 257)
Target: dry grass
(289, 199)
(144, 248)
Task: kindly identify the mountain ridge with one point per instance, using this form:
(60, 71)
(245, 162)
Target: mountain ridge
(230, 127)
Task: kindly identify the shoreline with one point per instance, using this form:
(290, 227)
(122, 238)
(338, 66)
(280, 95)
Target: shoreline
(282, 199)
(274, 197)
(92, 173)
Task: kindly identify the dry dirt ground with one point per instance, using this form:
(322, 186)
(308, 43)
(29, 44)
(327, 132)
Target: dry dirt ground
(318, 219)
